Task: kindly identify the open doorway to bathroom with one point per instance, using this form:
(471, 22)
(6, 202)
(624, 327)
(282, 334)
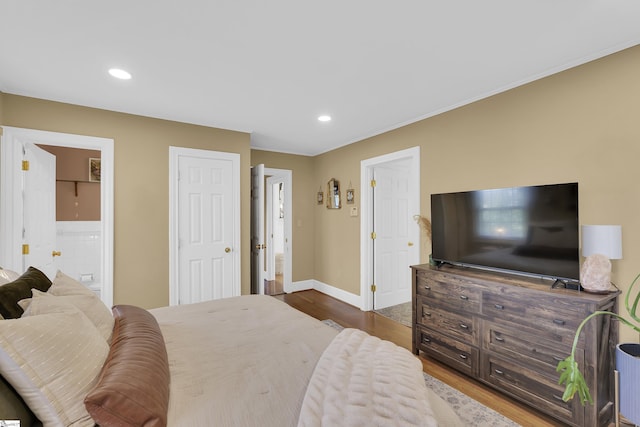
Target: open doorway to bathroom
(78, 221)
(25, 170)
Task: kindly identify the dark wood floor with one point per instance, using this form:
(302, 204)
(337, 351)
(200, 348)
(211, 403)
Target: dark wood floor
(323, 307)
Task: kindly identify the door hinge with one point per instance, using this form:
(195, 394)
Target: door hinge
(373, 235)
(25, 165)
(25, 249)
(373, 288)
(373, 182)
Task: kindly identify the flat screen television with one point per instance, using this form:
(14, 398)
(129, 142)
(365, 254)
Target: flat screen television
(528, 230)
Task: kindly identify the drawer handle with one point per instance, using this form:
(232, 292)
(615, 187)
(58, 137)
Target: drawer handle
(426, 340)
(498, 371)
(464, 297)
(555, 396)
(463, 357)
(500, 339)
(499, 306)
(426, 314)
(557, 358)
(558, 321)
(463, 326)
(428, 288)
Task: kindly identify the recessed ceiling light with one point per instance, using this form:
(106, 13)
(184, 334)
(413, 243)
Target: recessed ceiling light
(324, 118)
(120, 74)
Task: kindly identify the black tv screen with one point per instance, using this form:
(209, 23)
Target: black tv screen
(530, 230)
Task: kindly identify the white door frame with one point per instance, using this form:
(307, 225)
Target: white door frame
(285, 175)
(11, 195)
(174, 241)
(366, 219)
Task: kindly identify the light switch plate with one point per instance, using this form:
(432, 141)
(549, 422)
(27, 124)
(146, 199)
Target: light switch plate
(353, 211)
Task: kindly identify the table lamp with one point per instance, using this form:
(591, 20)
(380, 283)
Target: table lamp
(600, 244)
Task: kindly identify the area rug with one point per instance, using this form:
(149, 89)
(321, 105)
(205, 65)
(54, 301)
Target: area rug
(471, 412)
(400, 313)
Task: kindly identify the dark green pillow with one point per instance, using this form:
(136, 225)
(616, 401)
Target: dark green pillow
(19, 289)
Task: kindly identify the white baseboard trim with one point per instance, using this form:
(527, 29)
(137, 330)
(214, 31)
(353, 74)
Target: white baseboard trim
(332, 291)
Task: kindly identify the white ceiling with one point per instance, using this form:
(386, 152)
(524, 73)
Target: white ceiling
(271, 67)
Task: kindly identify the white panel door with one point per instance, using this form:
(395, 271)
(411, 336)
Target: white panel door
(392, 243)
(257, 229)
(40, 209)
(206, 227)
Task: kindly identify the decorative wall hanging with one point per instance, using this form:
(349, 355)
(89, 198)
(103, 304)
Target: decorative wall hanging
(94, 169)
(333, 194)
(350, 196)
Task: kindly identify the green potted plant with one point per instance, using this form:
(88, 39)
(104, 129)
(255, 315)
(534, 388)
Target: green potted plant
(570, 372)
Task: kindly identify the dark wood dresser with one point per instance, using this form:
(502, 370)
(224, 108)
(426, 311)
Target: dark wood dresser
(510, 331)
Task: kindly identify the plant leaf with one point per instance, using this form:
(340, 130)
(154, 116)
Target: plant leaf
(575, 383)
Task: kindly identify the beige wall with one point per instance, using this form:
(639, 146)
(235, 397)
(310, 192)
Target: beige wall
(304, 209)
(579, 125)
(141, 184)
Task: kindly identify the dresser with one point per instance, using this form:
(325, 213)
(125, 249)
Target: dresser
(510, 331)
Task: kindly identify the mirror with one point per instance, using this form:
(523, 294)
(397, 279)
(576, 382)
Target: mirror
(333, 194)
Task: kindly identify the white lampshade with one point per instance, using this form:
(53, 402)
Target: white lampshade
(602, 239)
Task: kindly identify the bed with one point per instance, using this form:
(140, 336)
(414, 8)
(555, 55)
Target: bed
(66, 359)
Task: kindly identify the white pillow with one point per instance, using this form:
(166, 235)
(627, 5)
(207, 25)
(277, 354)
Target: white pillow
(53, 360)
(90, 305)
(64, 285)
(7, 276)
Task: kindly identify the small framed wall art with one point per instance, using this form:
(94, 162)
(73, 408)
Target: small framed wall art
(350, 196)
(94, 169)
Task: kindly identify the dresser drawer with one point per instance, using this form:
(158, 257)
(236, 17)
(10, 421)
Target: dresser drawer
(537, 315)
(459, 355)
(512, 343)
(458, 296)
(529, 386)
(461, 326)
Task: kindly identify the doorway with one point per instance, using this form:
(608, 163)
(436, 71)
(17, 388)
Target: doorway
(271, 230)
(389, 236)
(12, 217)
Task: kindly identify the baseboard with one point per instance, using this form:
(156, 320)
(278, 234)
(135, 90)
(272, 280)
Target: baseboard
(332, 291)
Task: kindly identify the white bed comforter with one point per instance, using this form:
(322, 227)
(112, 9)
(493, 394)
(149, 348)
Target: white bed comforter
(361, 380)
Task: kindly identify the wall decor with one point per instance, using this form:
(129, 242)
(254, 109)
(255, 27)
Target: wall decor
(333, 194)
(350, 196)
(320, 197)
(94, 169)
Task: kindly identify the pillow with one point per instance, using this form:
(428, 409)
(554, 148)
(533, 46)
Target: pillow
(133, 389)
(19, 289)
(89, 304)
(7, 276)
(64, 285)
(52, 360)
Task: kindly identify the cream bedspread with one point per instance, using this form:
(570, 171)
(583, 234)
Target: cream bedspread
(243, 361)
(362, 380)
(247, 361)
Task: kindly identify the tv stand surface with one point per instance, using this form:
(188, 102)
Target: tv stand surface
(509, 332)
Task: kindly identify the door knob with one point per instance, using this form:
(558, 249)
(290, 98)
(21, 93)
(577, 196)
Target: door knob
(227, 250)
(56, 253)
(410, 244)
